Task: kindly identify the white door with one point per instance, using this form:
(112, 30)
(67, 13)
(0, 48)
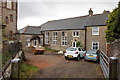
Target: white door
(35, 43)
(73, 44)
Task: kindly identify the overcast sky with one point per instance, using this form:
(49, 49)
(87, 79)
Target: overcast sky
(37, 12)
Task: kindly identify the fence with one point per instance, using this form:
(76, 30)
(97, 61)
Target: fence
(110, 66)
(104, 63)
(9, 52)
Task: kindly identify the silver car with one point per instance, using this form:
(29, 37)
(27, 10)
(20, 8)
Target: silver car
(92, 54)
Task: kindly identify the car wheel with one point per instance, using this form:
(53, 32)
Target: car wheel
(98, 61)
(78, 58)
(66, 58)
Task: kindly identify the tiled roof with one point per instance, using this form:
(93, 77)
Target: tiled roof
(30, 30)
(76, 22)
(96, 20)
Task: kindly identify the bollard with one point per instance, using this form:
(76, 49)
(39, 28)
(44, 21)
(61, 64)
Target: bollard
(15, 68)
(113, 68)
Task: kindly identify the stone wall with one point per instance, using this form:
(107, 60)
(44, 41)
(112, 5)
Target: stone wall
(11, 26)
(70, 39)
(7, 72)
(28, 48)
(115, 51)
(99, 38)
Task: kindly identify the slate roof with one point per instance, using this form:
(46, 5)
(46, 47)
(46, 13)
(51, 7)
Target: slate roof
(30, 30)
(76, 22)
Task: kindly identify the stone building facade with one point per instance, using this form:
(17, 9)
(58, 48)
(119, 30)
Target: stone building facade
(89, 30)
(9, 15)
(65, 39)
(31, 36)
(96, 40)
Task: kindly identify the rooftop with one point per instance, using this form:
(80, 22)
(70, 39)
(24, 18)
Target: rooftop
(30, 30)
(76, 22)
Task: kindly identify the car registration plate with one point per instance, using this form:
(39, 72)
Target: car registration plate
(69, 56)
(91, 56)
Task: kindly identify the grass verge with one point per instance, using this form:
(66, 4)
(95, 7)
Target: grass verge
(26, 70)
(51, 49)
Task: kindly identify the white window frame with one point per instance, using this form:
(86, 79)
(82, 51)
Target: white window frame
(64, 39)
(75, 43)
(92, 44)
(9, 4)
(54, 42)
(27, 42)
(75, 34)
(34, 42)
(46, 37)
(95, 31)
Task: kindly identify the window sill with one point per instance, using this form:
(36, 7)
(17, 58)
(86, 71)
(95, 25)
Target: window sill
(95, 34)
(75, 36)
(63, 45)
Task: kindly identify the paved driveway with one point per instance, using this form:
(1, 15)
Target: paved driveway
(53, 65)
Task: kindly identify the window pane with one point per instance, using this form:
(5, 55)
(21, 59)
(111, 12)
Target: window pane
(77, 33)
(95, 45)
(74, 34)
(63, 34)
(9, 4)
(6, 20)
(95, 30)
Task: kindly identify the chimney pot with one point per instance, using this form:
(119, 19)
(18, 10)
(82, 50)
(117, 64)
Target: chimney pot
(90, 12)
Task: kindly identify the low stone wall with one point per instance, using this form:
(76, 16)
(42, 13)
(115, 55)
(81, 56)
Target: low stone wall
(115, 51)
(7, 72)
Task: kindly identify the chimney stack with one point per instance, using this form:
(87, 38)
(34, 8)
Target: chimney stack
(106, 11)
(90, 12)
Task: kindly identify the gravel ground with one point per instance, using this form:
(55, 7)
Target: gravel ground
(53, 65)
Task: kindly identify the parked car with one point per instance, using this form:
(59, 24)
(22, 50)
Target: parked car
(74, 52)
(92, 54)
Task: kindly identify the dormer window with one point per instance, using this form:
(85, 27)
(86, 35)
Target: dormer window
(95, 30)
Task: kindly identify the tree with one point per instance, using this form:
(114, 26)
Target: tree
(113, 25)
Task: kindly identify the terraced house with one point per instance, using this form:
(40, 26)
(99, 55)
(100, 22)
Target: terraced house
(88, 29)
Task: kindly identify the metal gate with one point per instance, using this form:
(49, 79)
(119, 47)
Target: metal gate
(104, 63)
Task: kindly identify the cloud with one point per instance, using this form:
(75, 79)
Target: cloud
(39, 12)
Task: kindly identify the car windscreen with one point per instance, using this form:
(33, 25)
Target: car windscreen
(91, 51)
(71, 49)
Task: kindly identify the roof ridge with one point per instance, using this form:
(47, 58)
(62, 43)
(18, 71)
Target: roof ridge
(34, 26)
(76, 17)
(68, 18)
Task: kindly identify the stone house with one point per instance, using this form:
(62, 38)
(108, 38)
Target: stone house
(31, 36)
(64, 33)
(61, 34)
(9, 18)
(88, 29)
(95, 32)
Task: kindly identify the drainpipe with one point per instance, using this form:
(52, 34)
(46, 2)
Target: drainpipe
(85, 37)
